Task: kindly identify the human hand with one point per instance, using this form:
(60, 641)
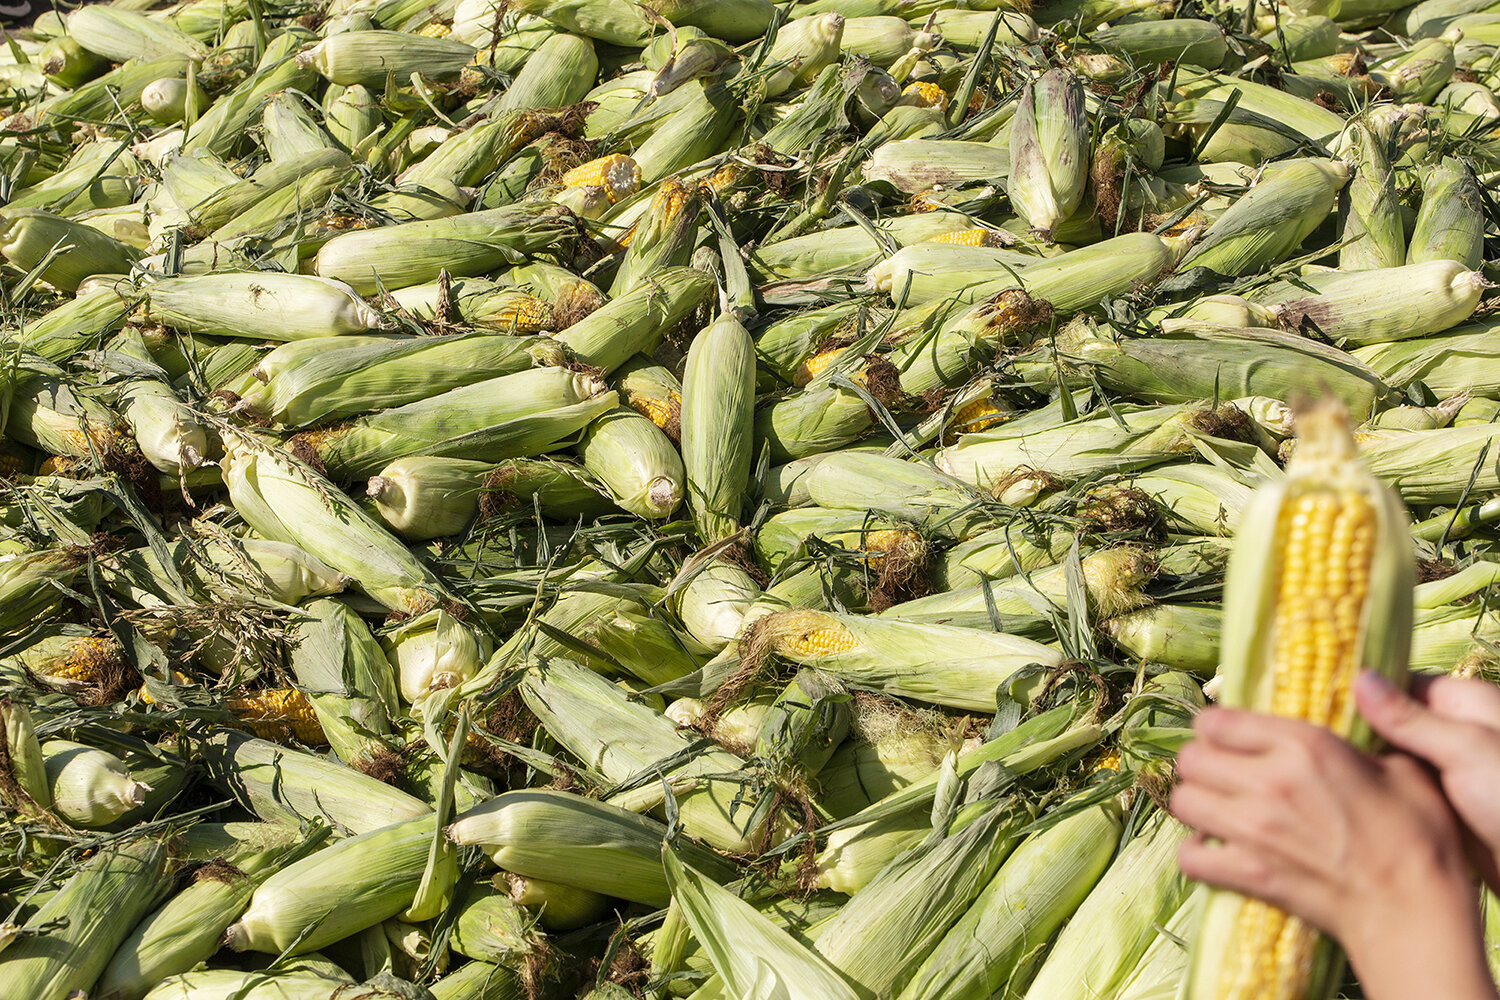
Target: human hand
(1453, 724)
(1362, 847)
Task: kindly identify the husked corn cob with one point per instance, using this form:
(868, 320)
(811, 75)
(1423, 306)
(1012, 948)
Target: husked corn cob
(663, 237)
(1330, 595)
(617, 173)
(279, 715)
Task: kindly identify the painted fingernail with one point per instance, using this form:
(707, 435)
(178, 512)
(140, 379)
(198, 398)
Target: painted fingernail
(1374, 685)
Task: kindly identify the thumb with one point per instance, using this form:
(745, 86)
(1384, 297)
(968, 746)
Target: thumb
(1407, 724)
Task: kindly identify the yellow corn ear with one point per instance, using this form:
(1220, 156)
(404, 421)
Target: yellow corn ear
(279, 715)
(1331, 594)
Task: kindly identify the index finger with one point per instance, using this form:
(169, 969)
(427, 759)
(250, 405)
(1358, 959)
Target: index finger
(1240, 731)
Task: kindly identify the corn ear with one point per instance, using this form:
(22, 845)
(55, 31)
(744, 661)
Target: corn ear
(1268, 224)
(1338, 572)
(635, 462)
(1049, 151)
(27, 775)
(636, 321)
(366, 57)
(718, 424)
(1450, 224)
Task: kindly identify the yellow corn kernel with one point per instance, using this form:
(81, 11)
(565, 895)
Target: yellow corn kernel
(11, 464)
(279, 715)
(823, 640)
(88, 661)
(437, 29)
(669, 199)
(978, 415)
(659, 411)
(888, 540)
(978, 237)
(725, 177)
(1111, 761)
(523, 314)
(818, 364)
(617, 174)
(925, 95)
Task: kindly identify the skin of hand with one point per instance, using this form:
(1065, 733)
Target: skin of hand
(1453, 724)
(1363, 847)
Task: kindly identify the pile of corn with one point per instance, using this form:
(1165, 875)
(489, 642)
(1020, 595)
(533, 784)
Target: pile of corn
(715, 499)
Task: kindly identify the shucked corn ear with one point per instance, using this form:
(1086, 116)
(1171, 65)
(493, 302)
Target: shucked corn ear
(1319, 587)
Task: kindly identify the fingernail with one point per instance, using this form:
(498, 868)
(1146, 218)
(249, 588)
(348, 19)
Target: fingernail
(1375, 685)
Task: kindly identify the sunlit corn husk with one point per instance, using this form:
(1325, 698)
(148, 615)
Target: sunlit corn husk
(1000, 553)
(1158, 975)
(165, 428)
(89, 787)
(654, 393)
(637, 320)
(892, 923)
(344, 888)
(68, 64)
(433, 652)
(813, 255)
(279, 783)
(883, 39)
(607, 20)
(1178, 635)
(941, 664)
(279, 715)
(261, 305)
(1035, 891)
(1271, 221)
(1115, 924)
(96, 176)
(888, 749)
(663, 237)
(365, 57)
(1419, 73)
(558, 907)
(1471, 98)
(1345, 306)
(1458, 360)
(618, 738)
(930, 270)
(414, 252)
(635, 462)
(1450, 224)
(421, 497)
(1224, 310)
(918, 165)
(294, 980)
(1249, 143)
(1369, 213)
(718, 420)
(27, 581)
(523, 414)
(73, 662)
(576, 841)
(79, 322)
(1197, 498)
(713, 604)
(28, 236)
(795, 533)
(353, 117)
(1185, 40)
(290, 130)
(476, 302)
(1432, 466)
(1049, 151)
(1331, 594)
(344, 673)
(1022, 605)
(287, 501)
(301, 383)
(27, 777)
(119, 34)
(910, 491)
(805, 46)
(742, 943)
(557, 74)
(86, 921)
(186, 930)
(805, 724)
(1150, 435)
(492, 927)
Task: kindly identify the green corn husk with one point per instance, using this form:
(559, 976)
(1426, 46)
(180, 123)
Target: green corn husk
(481, 981)
(302, 383)
(1450, 224)
(523, 414)
(845, 247)
(1049, 151)
(919, 164)
(927, 271)
(318, 892)
(76, 931)
(1441, 293)
(790, 535)
(293, 981)
(415, 252)
(1448, 457)
(98, 175)
(89, 787)
(1150, 436)
(1201, 499)
(940, 664)
(713, 605)
(433, 652)
(559, 73)
(281, 572)
(1190, 41)
(1112, 928)
(342, 669)
(594, 719)
(1368, 210)
(692, 133)
(226, 122)
(186, 930)
(576, 841)
(166, 429)
(1180, 636)
(1022, 605)
(808, 720)
(558, 907)
(27, 579)
(282, 784)
(166, 100)
(366, 57)
(476, 302)
(289, 129)
(1000, 553)
(1038, 888)
(422, 497)
(718, 420)
(922, 495)
(636, 321)
(1269, 223)
(234, 200)
(46, 413)
(285, 500)
(492, 927)
(664, 236)
(610, 21)
(354, 118)
(635, 462)
(1309, 37)
(1460, 360)
(564, 490)
(1419, 73)
(82, 322)
(750, 952)
(261, 305)
(68, 64)
(805, 46)
(118, 35)
(1159, 974)
(27, 779)
(882, 935)
(1199, 359)
(28, 235)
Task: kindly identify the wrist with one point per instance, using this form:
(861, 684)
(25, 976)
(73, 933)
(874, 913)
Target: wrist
(1423, 938)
